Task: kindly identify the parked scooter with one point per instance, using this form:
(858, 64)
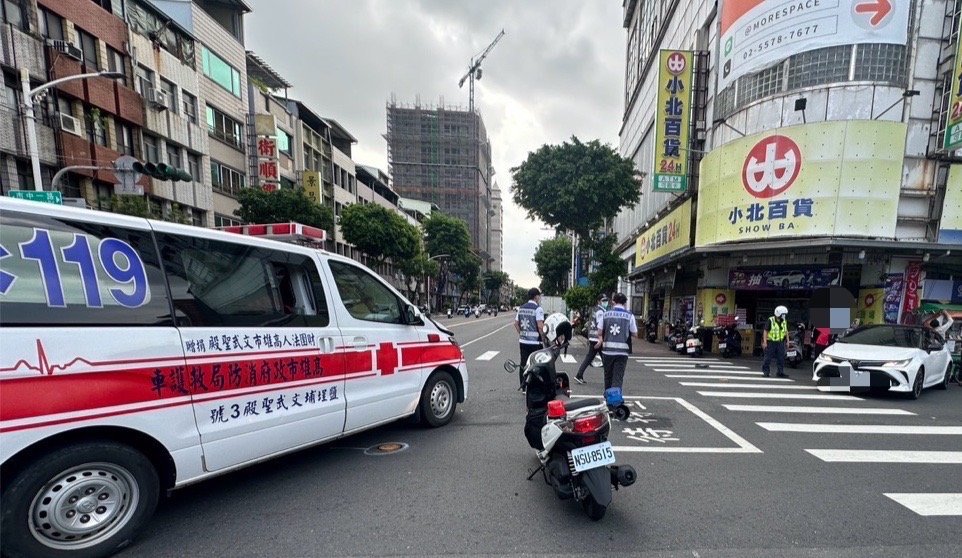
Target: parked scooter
(449, 313)
(571, 437)
(693, 342)
(477, 313)
(651, 330)
(733, 341)
(793, 352)
(676, 339)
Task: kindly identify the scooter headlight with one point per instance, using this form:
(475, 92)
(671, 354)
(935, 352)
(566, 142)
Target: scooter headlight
(542, 358)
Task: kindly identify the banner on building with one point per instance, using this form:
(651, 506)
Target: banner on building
(806, 180)
(953, 126)
(312, 185)
(669, 234)
(800, 277)
(870, 306)
(950, 226)
(755, 34)
(713, 303)
(673, 120)
(893, 297)
(268, 168)
(913, 281)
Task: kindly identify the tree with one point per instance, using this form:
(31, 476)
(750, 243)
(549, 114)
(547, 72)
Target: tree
(581, 299)
(281, 206)
(492, 281)
(552, 261)
(470, 271)
(610, 266)
(417, 269)
(447, 235)
(380, 233)
(575, 186)
(520, 296)
(141, 206)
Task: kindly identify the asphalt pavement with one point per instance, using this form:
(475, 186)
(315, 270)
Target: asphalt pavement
(731, 464)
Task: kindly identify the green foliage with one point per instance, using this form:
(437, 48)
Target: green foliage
(581, 298)
(470, 272)
(281, 206)
(141, 206)
(552, 261)
(447, 235)
(575, 186)
(380, 233)
(610, 266)
(520, 296)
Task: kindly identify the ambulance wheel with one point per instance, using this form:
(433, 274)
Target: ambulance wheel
(84, 501)
(438, 400)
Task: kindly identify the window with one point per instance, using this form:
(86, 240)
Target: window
(224, 221)
(193, 167)
(173, 156)
(51, 25)
(88, 44)
(145, 79)
(284, 142)
(225, 179)
(190, 106)
(105, 4)
(115, 63)
(171, 91)
(10, 95)
(105, 275)
(198, 218)
(223, 127)
(221, 72)
(125, 138)
(365, 297)
(96, 129)
(222, 284)
(151, 153)
(14, 13)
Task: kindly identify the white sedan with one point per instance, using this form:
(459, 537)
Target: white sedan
(905, 359)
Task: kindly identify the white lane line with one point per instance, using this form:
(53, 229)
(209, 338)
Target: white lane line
(930, 504)
(691, 364)
(463, 345)
(815, 410)
(707, 371)
(720, 377)
(488, 355)
(568, 359)
(886, 456)
(859, 428)
(744, 386)
(749, 395)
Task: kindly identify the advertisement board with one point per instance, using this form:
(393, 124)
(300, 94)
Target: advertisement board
(715, 302)
(673, 232)
(913, 282)
(807, 180)
(758, 33)
(776, 277)
(870, 306)
(950, 226)
(894, 282)
(312, 185)
(673, 120)
(953, 126)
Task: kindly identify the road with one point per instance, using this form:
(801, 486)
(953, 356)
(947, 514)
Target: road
(720, 475)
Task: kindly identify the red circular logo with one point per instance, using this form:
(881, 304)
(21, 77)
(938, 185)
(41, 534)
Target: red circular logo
(676, 63)
(771, 166)
(869, 300)
(720, 299)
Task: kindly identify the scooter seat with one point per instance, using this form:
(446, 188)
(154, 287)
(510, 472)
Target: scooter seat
(581, 404)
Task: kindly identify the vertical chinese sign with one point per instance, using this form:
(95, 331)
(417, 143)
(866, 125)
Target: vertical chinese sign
(312, 186)
(268, 173)
(913, 280)
(673, 121)
(953, 124)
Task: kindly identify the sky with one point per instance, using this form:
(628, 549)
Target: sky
(557, 73)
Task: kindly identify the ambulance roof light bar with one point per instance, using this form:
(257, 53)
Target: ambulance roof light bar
(283, 232)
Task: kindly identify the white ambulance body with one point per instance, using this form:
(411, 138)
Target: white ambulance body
(138, 356)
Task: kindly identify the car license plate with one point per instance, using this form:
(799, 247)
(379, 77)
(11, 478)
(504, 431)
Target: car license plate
(792, 353)
(589, 457)
(722, 345)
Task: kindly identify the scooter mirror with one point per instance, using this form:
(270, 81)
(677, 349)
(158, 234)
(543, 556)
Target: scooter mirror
(510, 365)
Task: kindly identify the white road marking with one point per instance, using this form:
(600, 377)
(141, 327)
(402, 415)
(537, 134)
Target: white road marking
(745, 386)
(930, 504)
(568, 359)
(463, 345)
(708, 371)
(815, 410)
(886, 456)
(719, 377)
(488, 355)
(694, 364)
(859, 428)
(749, 395)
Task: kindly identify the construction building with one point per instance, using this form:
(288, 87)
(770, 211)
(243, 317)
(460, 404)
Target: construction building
(442, 155)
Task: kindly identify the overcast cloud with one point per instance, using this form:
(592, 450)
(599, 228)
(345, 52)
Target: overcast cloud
(557, 72)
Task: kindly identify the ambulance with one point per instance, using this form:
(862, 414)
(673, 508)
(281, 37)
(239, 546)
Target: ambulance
(139, 356)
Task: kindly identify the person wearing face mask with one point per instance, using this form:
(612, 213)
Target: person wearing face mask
(773, 342)
(597, 317)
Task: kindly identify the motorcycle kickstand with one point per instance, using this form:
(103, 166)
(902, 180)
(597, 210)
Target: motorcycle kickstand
(535, 472)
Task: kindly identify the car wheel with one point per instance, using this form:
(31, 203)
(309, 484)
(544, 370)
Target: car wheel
(84, 500)
(785, 283)
(944, 384)
(917, 384)
(438, 400)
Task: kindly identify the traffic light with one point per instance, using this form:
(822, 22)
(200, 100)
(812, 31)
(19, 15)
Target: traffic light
(162, 171)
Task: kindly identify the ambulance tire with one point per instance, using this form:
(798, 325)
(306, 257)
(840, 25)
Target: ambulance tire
(117, 472)
(439, 399)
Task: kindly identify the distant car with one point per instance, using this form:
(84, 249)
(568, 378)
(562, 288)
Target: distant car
(462, 309)
(788, 279)
(905, 359)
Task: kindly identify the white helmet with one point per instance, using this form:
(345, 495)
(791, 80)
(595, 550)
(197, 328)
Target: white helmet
(781, 311)
(557, 327)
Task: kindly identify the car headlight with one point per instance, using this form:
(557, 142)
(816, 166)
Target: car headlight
(897, 363)
(825, 358)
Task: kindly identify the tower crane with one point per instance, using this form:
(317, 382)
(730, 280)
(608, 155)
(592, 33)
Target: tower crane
(474, 70)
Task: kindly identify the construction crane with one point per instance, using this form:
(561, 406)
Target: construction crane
(474, 70)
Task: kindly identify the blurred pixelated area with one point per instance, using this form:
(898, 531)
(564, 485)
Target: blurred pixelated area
(833, 308)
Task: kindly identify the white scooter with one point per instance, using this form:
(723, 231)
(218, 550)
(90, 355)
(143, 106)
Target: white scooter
(693, 344)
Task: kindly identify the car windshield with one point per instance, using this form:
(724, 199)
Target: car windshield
(886, 336)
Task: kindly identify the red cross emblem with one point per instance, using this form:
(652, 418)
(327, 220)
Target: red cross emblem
(387, 359)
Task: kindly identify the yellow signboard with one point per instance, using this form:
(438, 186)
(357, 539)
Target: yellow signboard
(950, 226)
(807, 180)
(312, 185)
(953, 126)
(671, 233)
(712, 302)
(673, 120)
(870, 303)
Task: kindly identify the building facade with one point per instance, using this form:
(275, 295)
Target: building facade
(796, 158)
(496, 231)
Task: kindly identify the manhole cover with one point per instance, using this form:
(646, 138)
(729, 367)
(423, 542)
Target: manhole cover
(386, 448)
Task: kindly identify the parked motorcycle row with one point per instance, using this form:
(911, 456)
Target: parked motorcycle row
(689, 341)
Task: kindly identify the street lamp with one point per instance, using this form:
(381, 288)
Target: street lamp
(427, 282)
(28, 95)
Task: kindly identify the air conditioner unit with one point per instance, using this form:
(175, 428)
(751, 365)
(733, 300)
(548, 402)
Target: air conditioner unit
(66, 47)
(70, 124)
(157, 98)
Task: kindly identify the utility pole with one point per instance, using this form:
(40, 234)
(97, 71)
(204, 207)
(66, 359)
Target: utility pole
(474, 70)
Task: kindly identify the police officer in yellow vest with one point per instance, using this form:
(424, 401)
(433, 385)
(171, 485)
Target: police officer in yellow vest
(773, 342)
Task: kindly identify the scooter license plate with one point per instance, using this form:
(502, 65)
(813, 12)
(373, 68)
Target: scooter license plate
(791, 353)
(692, 349)
(722, 345)
(679, 346)
(589, 457)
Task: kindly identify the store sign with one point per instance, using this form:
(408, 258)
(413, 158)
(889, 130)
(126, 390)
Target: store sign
(807, 180)
(673, 121)
(870, 306)
(669, 234)
(950, 226)
(953, 127)
(893, 297)
(758, 33)
(802, 277)
(664, 281)
(312, 185)
(268, 168)
(913, 280)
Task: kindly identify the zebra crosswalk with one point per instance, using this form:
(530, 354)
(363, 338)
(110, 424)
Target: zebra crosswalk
(489, 355)
(723, 380)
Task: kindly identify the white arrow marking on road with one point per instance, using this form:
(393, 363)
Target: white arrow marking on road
(815, 410)
(930, 504)
(568, 359)
(720, 377)
(886, 456)
(859, 428)
(745, 386)
(708, 371)
(748, 395)
(488, 355)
